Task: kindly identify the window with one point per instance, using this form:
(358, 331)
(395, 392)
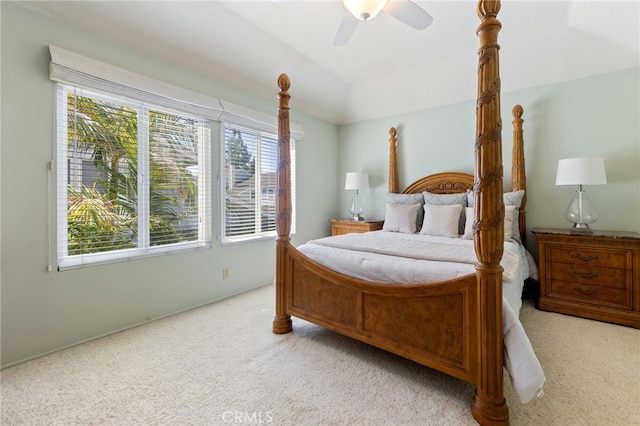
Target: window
(249, 160)
(134, 165)
(133, 179)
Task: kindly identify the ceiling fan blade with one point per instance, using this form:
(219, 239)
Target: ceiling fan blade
(409, 13)
(346, 30)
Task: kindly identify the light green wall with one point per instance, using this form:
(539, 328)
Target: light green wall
(596, 116)
(44, 311)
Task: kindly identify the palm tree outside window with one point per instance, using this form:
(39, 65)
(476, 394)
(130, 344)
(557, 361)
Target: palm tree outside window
(133, 179)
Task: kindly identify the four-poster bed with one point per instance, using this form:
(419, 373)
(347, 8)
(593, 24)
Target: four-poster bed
(455, 325)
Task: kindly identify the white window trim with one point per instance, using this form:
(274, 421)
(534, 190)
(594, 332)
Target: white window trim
(66, 262)
(225, 241)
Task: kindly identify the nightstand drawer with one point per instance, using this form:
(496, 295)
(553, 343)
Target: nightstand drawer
(575, 273)
(584, 256)
(595, 294)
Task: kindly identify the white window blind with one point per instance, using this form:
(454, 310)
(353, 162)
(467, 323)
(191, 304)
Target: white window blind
(78, 70)
(172, 124)
(250, 161)
(133, 179)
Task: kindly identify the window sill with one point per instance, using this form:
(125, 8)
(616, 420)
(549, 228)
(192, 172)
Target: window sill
(229, 241)
(95, 259)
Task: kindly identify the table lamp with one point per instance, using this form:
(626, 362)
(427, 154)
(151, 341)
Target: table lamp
(581, 171)
(357, 181)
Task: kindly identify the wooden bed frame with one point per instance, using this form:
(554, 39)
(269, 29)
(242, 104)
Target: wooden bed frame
(453, 326)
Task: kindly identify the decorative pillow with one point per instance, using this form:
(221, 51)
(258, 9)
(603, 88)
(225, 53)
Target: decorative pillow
(513, 198)
(471, 198)
(441, 220)
(510, 215)
(408, 199)
(445, 199)
(468, 225)
(509, 218)
(448, 199)
(510, 199)
(401, 218)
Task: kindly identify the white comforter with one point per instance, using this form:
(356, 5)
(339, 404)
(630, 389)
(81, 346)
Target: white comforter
(392, 257)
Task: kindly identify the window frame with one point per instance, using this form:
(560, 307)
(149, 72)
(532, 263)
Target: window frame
(71, 68)
(144, 249)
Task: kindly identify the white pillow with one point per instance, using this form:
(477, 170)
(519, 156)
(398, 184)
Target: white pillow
(470, 217)
(448, 199)
(441, 220)
(509, 216)
(401, 218)
(510, 199)
(408, 199)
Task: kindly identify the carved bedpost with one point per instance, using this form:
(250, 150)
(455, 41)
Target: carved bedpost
(488, 405)
(282, 320)
(393, 161)
(518, 172)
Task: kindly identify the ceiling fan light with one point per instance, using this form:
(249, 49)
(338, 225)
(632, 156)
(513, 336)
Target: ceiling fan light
(364, 9)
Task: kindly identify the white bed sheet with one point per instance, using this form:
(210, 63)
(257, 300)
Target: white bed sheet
(521, 362)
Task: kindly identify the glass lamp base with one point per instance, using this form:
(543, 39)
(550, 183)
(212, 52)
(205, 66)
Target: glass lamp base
(581, 212)
(355, 208)
(581, 226)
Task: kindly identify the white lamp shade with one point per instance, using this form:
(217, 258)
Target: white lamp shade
(581, 171)
(356, 180)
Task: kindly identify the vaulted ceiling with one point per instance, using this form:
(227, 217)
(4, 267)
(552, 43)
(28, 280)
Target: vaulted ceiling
(387, 67)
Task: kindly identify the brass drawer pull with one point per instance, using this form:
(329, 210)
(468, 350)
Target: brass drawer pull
(585, 258)
(586, 275)
(587, 292)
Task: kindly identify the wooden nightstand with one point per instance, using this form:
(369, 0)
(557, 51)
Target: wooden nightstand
(346, 226)
(591, 275)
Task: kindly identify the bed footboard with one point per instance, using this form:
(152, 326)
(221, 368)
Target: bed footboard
(432, 324)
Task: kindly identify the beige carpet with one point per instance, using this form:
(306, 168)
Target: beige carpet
(221, 364)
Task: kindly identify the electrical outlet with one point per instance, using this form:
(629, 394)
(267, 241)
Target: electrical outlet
(225, 273)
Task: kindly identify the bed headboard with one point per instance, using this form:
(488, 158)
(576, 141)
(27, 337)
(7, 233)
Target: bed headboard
(442, 183)
(455, 182)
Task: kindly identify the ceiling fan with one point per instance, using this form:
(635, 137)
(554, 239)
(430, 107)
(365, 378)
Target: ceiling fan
(364, 10)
